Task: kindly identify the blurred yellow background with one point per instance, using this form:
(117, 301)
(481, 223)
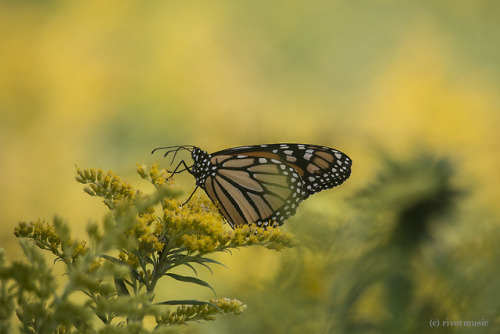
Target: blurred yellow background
(102, 83)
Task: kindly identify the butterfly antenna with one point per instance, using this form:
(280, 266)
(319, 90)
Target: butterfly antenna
(186, 147)
(175, 149)
(175, 154)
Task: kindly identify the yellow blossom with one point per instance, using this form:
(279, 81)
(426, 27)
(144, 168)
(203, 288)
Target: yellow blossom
(130, 259)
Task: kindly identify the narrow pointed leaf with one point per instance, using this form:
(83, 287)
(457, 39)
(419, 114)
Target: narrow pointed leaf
(206, 266)
(190, 279)
(121, 288)
(206, 259)
(190, 266)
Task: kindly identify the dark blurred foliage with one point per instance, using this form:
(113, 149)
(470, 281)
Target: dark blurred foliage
(385, 265)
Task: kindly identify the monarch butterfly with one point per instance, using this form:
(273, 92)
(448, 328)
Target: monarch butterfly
(263, 184)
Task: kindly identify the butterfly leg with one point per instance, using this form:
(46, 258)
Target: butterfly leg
(176, 171)
(190, 196)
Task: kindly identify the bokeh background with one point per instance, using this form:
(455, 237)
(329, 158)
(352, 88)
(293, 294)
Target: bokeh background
(102, 83)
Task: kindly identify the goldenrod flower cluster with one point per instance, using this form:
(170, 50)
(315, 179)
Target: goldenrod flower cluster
(158, 177)
(46, 237)
(205, 311)
(140, 242)
(107, 185)
(199, 228)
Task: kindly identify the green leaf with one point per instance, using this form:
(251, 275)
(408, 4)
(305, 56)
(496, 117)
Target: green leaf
(190, 279)
(201, 261)
(121, 288)
(194, 270)
(206, 259)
